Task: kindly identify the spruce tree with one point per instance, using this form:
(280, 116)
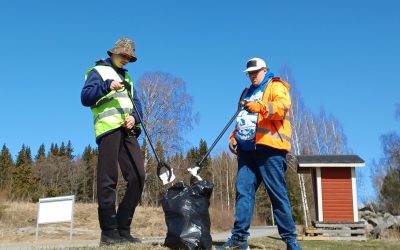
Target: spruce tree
(87, 188)
(21, 157)
(6, 166)
(24, 183)
(41, 154)
(28, 156)
(87, 153)
(194, 156)
(202, 151)
(62, 151)
(54, 149)
(206, 170)
(69, 150)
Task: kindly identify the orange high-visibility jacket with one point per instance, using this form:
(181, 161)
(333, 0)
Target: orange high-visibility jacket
(273, 122)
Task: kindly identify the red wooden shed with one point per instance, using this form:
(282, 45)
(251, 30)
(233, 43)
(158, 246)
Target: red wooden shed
(334, 185)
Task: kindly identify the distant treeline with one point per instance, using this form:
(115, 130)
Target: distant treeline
(59, 172)
(168, 116)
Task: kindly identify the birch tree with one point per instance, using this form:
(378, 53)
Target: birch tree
(386, 172)
(167, 115)
(297, 117)
(167, 109)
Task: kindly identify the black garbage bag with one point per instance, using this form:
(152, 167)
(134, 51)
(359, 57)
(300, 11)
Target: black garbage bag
(187, 216)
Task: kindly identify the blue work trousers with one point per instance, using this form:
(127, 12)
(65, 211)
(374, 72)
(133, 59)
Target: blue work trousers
(267, 165)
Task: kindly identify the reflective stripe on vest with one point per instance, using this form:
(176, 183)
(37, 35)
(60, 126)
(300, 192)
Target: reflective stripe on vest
(110, 111)
(273, 139)
(109, 98)
(276, 135)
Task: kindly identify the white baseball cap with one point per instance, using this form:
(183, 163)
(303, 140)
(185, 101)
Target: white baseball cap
(255, 64)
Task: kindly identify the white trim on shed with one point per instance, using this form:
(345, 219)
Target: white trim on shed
(319, 194)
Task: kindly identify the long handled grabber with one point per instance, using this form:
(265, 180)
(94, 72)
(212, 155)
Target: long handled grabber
(168, 176)
(194, 171)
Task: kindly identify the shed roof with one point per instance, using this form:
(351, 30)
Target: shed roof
(330, 161)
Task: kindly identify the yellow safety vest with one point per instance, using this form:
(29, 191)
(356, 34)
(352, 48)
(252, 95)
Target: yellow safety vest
(110, 111)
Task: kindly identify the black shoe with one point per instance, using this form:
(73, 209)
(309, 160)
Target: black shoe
(128, 238)
(110, 237)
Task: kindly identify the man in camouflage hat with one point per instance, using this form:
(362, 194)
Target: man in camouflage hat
(124, 46)
(116, 126)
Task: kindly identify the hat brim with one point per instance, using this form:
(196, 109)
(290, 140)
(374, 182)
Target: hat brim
(133, 59)
(253, 69)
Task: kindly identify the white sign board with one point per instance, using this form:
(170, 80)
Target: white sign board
(55, 210)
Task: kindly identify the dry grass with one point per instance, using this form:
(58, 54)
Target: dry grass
(392, 234)
(222, 218)
(18, 223)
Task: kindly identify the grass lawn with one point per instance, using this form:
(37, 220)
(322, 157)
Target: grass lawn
(275, 243)
(272, 243)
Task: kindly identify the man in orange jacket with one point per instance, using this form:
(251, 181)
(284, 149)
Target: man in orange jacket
(261, 140)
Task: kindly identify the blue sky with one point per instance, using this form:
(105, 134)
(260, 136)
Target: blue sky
(344, 56)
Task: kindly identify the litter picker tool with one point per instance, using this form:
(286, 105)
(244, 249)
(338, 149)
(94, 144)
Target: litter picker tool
(168, 176)
(194, 171)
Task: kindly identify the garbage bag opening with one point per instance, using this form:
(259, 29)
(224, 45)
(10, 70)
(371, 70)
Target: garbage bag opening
(187, 216)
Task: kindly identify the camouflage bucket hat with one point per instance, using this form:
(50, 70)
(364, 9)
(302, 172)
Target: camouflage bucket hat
(124, 46)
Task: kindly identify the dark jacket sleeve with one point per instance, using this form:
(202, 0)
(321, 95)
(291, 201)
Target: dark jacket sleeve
(94, 89)
(139, 106)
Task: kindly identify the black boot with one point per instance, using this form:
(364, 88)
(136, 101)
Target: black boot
(124, 217)
(109, 226)
(128, 238)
